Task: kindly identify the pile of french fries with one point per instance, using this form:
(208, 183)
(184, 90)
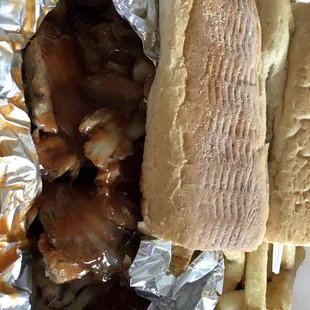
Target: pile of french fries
(250, 284)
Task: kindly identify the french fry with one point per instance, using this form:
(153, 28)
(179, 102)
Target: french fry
(256, 278)
(231, 301)
(300, 256)
(234, 269)
(276, 295)
(280, 289)
(288, 257)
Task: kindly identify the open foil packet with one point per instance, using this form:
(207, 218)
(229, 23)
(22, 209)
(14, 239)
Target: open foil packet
(21, 183)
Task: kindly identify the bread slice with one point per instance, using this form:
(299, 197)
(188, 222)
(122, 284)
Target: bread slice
(277, 25)
(204, 176)
(289, 221)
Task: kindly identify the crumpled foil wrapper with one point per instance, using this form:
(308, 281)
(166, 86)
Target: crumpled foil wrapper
(198, 288)
(15, 277)
(20, 180)
(143, 17)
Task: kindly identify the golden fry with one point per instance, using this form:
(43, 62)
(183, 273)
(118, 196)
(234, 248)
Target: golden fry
(231, 301)
(256, 278)
(234, 269)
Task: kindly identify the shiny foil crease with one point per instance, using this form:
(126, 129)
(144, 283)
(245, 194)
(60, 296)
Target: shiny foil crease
(20, 180)
(143, 17)
(198, 288)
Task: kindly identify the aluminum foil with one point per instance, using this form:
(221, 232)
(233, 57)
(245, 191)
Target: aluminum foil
(15, 277)
(143, 17)
(198, 288)
(20, 180)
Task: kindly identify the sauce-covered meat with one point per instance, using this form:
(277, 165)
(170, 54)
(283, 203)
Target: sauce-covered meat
(110, 135)
(58, 266)
(64, 157)
(89, 229)
(83, 57)
(86, 77)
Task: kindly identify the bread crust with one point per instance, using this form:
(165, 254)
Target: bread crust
(204, 176)
(277, 25)
(289, 221)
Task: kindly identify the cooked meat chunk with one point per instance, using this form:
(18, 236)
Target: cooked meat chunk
(117, 42)
(113, 90)
(89, 50)
(110, 136)
(59, 267)
(66, 296)
(38, 91)
(84, 293)
(63, 76)
(59, 73)
(107, 177)
(121, 210)
(89, 229)
(55, 156)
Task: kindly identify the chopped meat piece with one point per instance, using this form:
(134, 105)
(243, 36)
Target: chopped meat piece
(59, 267)
(113, 90)
(89, 50)
(38, 92)
(84, 293)
(107, 144)
(102, 116)
(110, 136)
(86, 227)
(123, 176)
(117, 42)
(63, 296)
(127, 40)
(64, 75)
(107, 177)
(55, 156)
(103, 36)
(53, 76)
(121, 210)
